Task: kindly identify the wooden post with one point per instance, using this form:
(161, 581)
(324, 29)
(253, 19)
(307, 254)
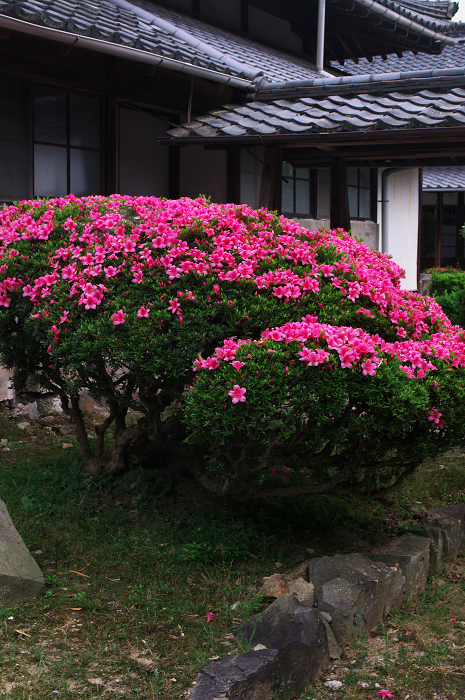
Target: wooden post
(270, 187)
(437, 245)
(233, 175)
(339, 207)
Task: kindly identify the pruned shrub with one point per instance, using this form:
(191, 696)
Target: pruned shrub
(448, 288)
(267, 359)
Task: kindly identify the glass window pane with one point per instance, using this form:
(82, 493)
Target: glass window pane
(287, 169)
(303, 173)
(352, 176)
(302, 196)
(85, 172)
(50, 171)
(364, 203)
(353, 201)
(49, 117)
(287, 203)
(84, 122)
(364, 177)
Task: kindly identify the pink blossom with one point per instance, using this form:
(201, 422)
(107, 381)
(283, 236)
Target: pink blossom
(237, 393)
(174, 306)
(211, 617)
(118, 317)
(237, 364)
(143, 312)
(434, 415)
(385, 694)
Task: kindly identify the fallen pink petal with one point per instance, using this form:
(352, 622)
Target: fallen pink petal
(385, 694)
(211, 617)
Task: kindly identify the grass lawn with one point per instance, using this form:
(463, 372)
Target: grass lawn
(132, 567)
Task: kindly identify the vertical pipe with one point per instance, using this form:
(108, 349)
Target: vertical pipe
(320, 42)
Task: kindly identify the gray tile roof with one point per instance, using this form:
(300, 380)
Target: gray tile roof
(275, 64)
(444, 178)
(449, 57)
(332, 113)
(122, 23)
(442, 9)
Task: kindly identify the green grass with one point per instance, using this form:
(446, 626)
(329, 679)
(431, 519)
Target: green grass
(133, 565)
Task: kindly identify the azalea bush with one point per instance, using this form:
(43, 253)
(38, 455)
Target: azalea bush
(267, 359)
(448, 288)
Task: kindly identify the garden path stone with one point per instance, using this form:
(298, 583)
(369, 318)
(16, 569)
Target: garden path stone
(410, 554)
(20, 576)
(298, 633)
(249, 676)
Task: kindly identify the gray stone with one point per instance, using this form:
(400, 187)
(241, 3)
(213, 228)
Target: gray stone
(335, 650)
(298, 633)
(377, 588)
(30, 410)
(410, 554)
(20, 577)
(23, 426)
(303, 591)
(339, 598)
(300, 571)
(446, 529)
(250, 676)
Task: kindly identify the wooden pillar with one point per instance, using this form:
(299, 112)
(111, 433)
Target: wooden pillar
(270, 187)
(110, 147)
(339, 206)
(437, 244)
(460, 222)
(233, 175)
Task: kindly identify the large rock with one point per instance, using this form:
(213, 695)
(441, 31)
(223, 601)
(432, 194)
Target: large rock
(410, 554)
(446, 529)
(355, 591)
(299, 635)
(250, 676)
(20, 577)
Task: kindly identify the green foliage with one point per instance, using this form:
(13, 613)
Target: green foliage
(213, 539)
(448, 288)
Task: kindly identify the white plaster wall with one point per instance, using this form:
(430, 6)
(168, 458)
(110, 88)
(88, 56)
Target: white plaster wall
(203, 172)
(399, 232)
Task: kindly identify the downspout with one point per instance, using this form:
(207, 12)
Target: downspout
(320, 41)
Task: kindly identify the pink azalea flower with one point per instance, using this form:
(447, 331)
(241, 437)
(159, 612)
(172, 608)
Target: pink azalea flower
(210, 617)
(173, 306)
(237, 393)
(385, 694)
(118, 317)
(453, 619)
(237, 364)
(143, 312)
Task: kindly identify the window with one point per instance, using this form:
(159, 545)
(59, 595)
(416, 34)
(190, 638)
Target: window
(67, 144)
(298, 191)
(361, 183)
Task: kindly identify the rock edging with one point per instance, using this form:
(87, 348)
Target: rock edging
(292, 641)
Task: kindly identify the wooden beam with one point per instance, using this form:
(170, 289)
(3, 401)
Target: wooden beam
(339, 203)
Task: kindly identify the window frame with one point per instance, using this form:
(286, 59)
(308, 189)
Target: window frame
(68, 146)
(372, 188)
(313, 190)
